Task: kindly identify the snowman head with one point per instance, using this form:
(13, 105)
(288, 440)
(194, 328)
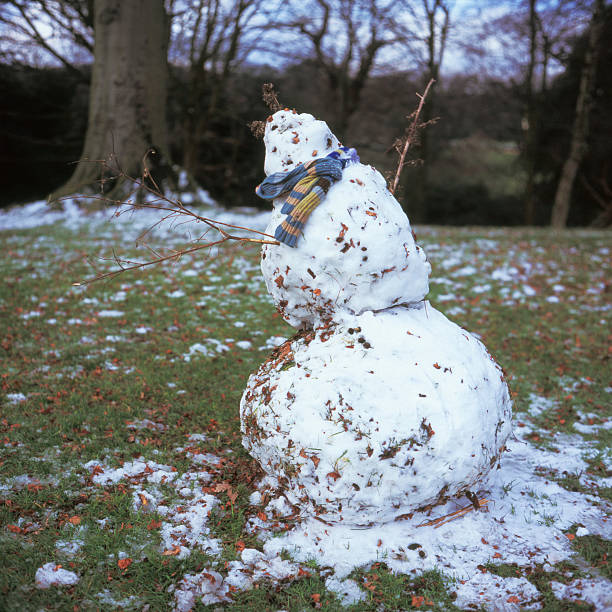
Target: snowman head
(293, 138)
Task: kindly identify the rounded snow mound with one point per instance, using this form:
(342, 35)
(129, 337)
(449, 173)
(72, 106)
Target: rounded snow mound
(357, 251)
(377, 415)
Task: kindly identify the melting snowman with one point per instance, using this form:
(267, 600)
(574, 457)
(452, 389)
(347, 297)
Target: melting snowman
(380, 405)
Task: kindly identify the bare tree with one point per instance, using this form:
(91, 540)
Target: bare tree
(580, 130)
(527, 44)
(127, 94)
(548, 28)
(48, 31)
(213, 38)
(345, 38)
(425, 32)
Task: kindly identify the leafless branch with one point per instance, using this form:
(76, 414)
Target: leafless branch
(411, 136)
(175, 209)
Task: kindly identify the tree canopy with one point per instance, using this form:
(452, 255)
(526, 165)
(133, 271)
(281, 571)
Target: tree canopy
(503, 108)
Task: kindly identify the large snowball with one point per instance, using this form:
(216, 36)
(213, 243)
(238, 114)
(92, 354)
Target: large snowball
(357, 251)
(377, 415)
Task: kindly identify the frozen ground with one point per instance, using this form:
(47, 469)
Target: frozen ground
(529, 520)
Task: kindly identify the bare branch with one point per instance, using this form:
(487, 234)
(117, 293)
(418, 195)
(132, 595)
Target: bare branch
(29, 24)
(411, 135)
(175, 209)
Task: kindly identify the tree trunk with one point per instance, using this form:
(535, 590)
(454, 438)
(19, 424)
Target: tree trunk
(580, 130)
(436, 44)
(127, 100)
(531, 119)
(193, 126)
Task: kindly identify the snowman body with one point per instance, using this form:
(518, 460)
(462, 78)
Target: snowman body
(380, 405)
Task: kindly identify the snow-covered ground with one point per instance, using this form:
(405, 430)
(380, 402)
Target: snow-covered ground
(37, 214)
(526, 520)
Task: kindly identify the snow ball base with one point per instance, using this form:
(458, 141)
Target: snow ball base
(373, 416)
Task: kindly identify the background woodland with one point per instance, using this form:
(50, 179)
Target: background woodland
(520, 130)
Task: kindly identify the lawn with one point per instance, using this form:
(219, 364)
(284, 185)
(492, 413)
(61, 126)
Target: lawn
(122, 468)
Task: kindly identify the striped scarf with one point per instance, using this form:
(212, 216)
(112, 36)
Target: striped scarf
(307, 185)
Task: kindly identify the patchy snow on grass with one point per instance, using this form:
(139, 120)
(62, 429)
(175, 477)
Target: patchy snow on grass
(111, 313)
(596, 592)
(15, 398)
(69, 548)
(212, 346)
(495, 593)
(52, 574)
(273, 342)
(348, 590)
(525, 522)
(110, 599)
(137, 470)
(133, 221)
(206, 587)
(145, 424)
(185, 527)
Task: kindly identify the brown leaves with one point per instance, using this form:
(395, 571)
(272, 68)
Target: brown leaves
(98, 469)
(172, 551)
(419, 600)
(123, 564)
(313, 458)
(227, 488)
(209, 577)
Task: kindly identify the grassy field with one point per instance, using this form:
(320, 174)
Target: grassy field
(98, 377)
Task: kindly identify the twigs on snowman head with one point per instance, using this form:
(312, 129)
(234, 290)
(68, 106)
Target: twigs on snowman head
(411, 137)
(145, 193)
(270, 97)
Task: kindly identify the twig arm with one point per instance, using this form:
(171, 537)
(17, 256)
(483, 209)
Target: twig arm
(412, 131)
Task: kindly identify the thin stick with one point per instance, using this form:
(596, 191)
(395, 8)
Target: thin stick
(174, 208)
(447, 518)
(176, 255)
(412, 131)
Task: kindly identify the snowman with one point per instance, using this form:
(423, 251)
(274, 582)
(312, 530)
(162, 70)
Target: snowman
(379, 405)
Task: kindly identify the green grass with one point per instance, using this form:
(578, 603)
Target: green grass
(541, 579)
(87, 377)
